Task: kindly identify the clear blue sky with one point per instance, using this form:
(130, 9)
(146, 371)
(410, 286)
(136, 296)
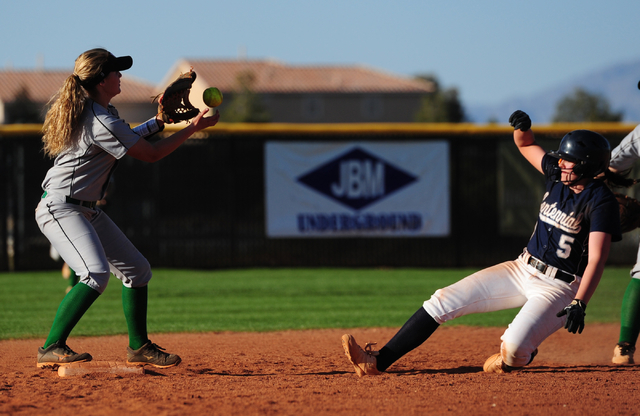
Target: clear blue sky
(491, 50)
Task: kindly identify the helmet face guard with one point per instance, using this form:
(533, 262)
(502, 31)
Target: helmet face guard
(589, 150)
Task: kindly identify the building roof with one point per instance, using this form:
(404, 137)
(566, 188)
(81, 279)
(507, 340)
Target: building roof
(274, 77)
(41, 85)
(269, 77)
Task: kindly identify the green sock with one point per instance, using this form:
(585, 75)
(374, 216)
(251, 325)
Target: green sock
(73, 278)
(630, 316)
(134, 303)
(71, 309)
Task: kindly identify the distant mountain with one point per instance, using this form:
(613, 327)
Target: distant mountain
(618, 84)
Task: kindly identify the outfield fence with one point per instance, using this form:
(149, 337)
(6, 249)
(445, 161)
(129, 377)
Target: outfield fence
(204, 205)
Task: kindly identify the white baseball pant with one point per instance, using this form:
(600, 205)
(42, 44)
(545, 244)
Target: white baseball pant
(509, 285)
(91, 244)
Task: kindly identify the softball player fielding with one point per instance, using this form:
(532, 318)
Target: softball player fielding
(552, 280)
(623, 157)
(84, 133)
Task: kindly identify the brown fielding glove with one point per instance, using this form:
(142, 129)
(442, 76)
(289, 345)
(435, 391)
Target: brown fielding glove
(629, 212)
(173, 104)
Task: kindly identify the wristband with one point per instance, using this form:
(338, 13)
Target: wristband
(148, 128)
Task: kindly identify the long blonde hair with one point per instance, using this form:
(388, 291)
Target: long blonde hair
(67, 105)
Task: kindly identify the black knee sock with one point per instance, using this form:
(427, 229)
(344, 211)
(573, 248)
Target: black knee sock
(412, 334)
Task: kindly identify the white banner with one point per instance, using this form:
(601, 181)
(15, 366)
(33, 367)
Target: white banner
(377, 189)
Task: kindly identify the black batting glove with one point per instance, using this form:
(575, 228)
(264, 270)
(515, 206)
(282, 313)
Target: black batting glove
(520, 120)
(575, 312)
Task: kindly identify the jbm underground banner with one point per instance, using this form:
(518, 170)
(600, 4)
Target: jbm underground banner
(358, 189)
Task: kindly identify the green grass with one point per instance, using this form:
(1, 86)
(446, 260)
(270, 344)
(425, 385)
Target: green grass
(262, 300)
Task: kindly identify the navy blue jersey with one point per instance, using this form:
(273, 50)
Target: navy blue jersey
(561, 235)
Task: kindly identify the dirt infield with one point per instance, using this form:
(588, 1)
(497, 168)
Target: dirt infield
(305, 372)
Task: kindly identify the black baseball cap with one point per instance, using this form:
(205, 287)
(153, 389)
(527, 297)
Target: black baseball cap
(121, 63)
(112, 64)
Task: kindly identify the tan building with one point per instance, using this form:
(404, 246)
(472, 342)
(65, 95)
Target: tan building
(134, 103)
(290, 94)
(310, 94)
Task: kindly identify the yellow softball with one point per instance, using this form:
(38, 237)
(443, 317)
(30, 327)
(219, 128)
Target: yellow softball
(212, 97)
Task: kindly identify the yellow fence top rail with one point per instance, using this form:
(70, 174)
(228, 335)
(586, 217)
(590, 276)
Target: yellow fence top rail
(366, 128)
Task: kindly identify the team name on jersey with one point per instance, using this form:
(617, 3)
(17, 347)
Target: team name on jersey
(550, 214)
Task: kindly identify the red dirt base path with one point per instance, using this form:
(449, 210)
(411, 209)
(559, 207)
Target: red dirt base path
(306, 372)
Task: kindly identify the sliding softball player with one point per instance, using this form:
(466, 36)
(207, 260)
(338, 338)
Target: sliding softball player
(553, 279)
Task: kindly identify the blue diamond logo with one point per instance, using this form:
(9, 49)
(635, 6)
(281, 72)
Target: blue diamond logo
(357, 179)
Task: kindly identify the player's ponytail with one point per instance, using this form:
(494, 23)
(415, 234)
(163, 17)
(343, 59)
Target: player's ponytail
(67, 105)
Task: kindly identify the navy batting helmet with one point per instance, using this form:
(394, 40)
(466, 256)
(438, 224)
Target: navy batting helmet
(589, 150)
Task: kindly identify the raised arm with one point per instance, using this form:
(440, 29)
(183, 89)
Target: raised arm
(152, 152)
(524, 139)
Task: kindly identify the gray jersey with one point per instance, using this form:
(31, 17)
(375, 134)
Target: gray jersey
(627, 152)
(83, 172)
